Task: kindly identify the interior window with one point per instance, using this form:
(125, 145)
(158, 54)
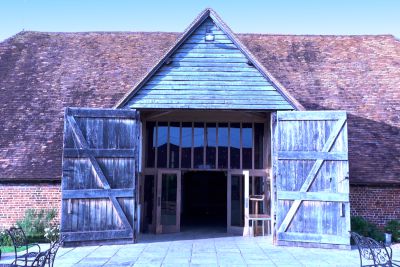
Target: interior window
(151, 144)
(187, 142)
(223, 144)
(162, 144)
(174, 143)
(211, 145)
(247, 145)
(235, 145)
(198, 145)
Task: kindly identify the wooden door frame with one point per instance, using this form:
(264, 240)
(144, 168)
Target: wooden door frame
(245, 230)
(154, 173)
(159, 227)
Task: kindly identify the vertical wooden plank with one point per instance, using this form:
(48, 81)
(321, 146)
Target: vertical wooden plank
(246, 202)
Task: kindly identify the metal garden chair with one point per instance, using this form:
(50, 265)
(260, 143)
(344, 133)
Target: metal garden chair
(53, 250)
(372, 252)
(20, 241)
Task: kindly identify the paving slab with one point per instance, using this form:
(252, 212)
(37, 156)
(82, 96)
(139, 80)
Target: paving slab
(179, 250)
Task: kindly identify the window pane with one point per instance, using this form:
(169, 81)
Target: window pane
(186, 160)
(223, 145)
(211, 147)
(258, 145)
(149, 191)
(237, 200)
(162, 141)
(151, 144)
(198, 145)
(174, 141)
(168, 199)
(235, 145)
(247, 145)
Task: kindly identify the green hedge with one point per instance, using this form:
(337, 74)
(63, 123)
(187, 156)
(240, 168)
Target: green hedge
(393, 227)
(365, 228)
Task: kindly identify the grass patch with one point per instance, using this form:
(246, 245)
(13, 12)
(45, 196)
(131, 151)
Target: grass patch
(7, 249)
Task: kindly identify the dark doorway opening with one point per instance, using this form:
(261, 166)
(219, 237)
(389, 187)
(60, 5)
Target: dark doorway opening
(204, 200)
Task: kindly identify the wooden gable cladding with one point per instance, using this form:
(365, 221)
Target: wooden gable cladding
(203, 74)
(99, 170)
(311, 172)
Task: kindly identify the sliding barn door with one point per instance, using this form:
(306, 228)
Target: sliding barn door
(99, 175)
(310, 166)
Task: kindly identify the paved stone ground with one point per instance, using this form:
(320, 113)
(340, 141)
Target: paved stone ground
(180, 250)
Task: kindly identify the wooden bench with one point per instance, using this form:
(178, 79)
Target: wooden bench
(372, 252)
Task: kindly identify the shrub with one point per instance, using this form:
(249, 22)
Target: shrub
(35, 222)
(52, 233)
(393, 227)
(365, 228)
(5, 239)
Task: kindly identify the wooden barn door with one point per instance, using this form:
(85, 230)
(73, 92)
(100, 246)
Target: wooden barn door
(99, 175)
(310, 170)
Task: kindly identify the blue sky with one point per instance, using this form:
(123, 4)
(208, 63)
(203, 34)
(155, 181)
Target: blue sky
(278, 16)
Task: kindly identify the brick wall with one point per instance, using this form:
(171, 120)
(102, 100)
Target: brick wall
(376, 204)
(16, 198)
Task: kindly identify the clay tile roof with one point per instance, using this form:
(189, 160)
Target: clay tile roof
(42, 73)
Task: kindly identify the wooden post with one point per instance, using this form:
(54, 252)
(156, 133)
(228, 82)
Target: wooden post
(246, 203)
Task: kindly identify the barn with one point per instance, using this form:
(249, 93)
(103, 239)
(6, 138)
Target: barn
(127, 133)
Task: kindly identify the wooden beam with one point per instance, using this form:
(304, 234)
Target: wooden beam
(312, 155)
(102, 113)
(121, 213)
(313, 196)
(96, 152)
(97, 235)
(315, 238)
(97, 193)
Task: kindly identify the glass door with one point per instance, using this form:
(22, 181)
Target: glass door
(168, 201)
(236, 202)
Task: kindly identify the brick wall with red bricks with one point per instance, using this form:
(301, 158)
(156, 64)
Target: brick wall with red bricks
(377, 204)
(15, 199)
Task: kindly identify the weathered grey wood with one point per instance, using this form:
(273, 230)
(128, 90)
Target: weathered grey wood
(180, 72)
(209, 87)
(210, 82)
(214, 106)
(312, 155)
(97, 193)
(202, 56)
(314, 238)
(215, 93)
(312, 115)
(191, 78)
(98, 235)
(204, 101)
(99, 173)
(100, 113)
(108, 153)
(210, 69)
(310, 152)
(311, 196)
(312, 174)
(215, 68)
(208, 63)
